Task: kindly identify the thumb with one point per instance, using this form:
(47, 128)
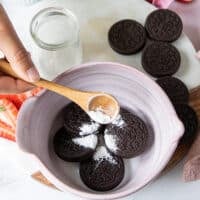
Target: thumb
(22, 64)
(14, 50)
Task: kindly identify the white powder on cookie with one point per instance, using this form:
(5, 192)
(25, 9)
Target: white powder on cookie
(111, 141)
(119, 122)
(103, 154)
(89, 141)
(86, 129)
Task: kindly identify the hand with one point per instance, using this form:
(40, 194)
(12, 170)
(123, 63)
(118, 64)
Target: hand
(17, 56)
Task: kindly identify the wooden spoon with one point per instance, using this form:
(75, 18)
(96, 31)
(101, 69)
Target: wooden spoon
(100, 106)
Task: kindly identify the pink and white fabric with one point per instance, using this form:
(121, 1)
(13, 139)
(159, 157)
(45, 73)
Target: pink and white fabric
(162, 3)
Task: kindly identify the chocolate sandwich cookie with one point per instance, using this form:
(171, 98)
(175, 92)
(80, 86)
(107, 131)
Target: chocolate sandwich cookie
(189, 118)
(127, 36)
(175, 89)
(164, 25)
(103, 171)
(75, 118)
(161, 59)
(76, 149)
(128, 138)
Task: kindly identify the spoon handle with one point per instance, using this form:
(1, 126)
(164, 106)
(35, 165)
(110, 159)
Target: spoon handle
(79, 97)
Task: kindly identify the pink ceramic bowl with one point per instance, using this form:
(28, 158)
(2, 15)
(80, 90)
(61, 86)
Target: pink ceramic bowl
(37, 123)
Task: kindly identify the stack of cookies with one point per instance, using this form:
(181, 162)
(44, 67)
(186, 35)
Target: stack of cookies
(160, 58)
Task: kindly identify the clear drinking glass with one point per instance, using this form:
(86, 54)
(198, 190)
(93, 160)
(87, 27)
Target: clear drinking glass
(57, 46)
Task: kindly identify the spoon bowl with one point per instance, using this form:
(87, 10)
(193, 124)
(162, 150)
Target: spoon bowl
(103, 108)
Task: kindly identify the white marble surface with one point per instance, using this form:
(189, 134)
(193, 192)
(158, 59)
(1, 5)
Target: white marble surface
(95, 18)
(15, 181)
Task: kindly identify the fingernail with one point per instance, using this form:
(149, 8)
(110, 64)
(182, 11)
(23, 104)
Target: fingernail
(33, 74)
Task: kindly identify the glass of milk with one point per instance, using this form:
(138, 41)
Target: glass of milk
(56, 46)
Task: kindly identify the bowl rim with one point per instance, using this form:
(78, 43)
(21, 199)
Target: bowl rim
(129, 191)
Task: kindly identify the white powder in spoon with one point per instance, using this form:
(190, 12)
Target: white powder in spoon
(103, 154)
(86, 129)
(99, 116)
(89, 141)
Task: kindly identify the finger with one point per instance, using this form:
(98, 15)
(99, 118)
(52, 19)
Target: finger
(11, 85)
(14, 50)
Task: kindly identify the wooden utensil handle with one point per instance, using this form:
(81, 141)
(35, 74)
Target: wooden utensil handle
(76, 96)
(6, 68)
